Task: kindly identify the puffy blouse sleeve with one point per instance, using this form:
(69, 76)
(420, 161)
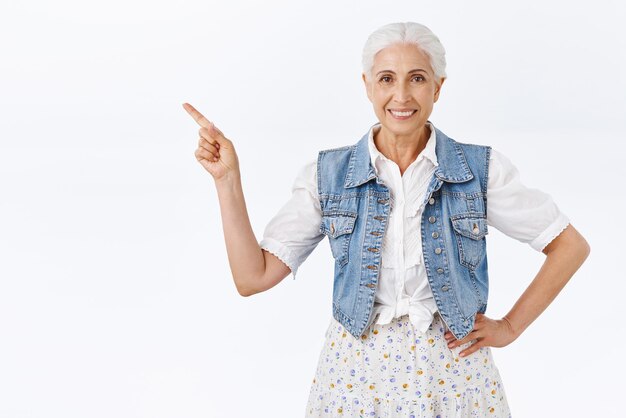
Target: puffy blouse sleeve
(526, 214)
(294, 232)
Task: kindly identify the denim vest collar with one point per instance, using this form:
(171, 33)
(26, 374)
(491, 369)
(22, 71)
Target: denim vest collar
(452, 167)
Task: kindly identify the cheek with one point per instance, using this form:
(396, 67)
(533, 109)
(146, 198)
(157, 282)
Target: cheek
(428, 98)
(381, 98)
(378, 101)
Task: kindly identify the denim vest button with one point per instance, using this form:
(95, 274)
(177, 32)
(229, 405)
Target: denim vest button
(439, 270)
(383, 200)
(431, 201)
(435, 234)
(379, 218)
(372, 267)
(371, 285)
(376, 233)
(332, 228)
(437, 250)
(372, 249)
(444, 288)
(432, 219)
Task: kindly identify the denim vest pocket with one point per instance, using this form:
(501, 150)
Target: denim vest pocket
(470, 229)
(338, 225)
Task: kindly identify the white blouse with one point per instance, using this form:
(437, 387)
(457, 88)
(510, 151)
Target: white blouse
(526, 214)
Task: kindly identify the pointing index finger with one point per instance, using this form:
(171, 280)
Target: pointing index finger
(198, 117)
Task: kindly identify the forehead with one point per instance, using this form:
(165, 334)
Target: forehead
(400, 57)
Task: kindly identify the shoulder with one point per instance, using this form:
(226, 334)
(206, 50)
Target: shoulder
(502, 171)
(477, 155)
(494, 154)
(500, 161)
(306, 179)
(346, 148)
(334, 157)
(473, 146)
(336, 150)
(500, 158)
(469, 148)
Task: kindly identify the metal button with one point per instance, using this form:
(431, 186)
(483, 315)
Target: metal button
(439, 270)
(437, 250)
(379, 218)
(383, 200)
(432, 219)
(376, 233)
(371, 285)
(475, 230)
(431, 201)
(372, 267)
(372, 249)
(444, 288)
(435, 234)
(332, 228)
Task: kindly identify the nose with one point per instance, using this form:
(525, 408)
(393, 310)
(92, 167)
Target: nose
(402, 93)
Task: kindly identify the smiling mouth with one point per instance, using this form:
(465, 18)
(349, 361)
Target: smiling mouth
(402, 114)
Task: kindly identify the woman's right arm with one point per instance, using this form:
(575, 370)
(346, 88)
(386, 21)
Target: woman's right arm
(254, 270)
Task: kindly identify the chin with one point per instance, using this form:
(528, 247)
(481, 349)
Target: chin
(400, 127)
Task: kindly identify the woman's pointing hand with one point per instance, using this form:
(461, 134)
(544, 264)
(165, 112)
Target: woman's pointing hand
(215, 152)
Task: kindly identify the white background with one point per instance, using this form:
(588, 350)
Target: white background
(116, 298)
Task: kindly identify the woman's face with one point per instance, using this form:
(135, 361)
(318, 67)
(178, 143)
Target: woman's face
(403, 89)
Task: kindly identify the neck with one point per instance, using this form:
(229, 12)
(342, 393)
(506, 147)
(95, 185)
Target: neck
(402, 149)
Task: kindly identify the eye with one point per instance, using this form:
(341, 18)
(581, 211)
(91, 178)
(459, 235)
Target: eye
(385, 79)
(419, 78)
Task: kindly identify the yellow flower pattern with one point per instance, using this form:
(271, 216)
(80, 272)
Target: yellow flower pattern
(395, 371)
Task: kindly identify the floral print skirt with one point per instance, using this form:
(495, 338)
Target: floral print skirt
(396, 371)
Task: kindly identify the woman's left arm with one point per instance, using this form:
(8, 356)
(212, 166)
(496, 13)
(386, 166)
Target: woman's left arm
(531, 216)
(564, 256)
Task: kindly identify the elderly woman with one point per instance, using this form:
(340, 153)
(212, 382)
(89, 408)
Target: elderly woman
(406, 210)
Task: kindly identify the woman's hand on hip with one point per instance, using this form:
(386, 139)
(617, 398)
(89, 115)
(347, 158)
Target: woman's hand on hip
(486, 332)
(215, 152)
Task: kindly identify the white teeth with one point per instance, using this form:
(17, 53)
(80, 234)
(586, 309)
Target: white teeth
(401, 114)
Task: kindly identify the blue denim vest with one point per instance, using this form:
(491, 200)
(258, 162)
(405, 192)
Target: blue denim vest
(355, 208)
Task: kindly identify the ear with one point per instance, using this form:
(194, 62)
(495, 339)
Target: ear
(438, 88)
(367, 90)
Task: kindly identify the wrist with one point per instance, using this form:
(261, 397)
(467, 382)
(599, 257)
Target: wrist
(512, 328)
(228, 181)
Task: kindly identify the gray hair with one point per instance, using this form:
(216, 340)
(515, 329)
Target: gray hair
(410, 33)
